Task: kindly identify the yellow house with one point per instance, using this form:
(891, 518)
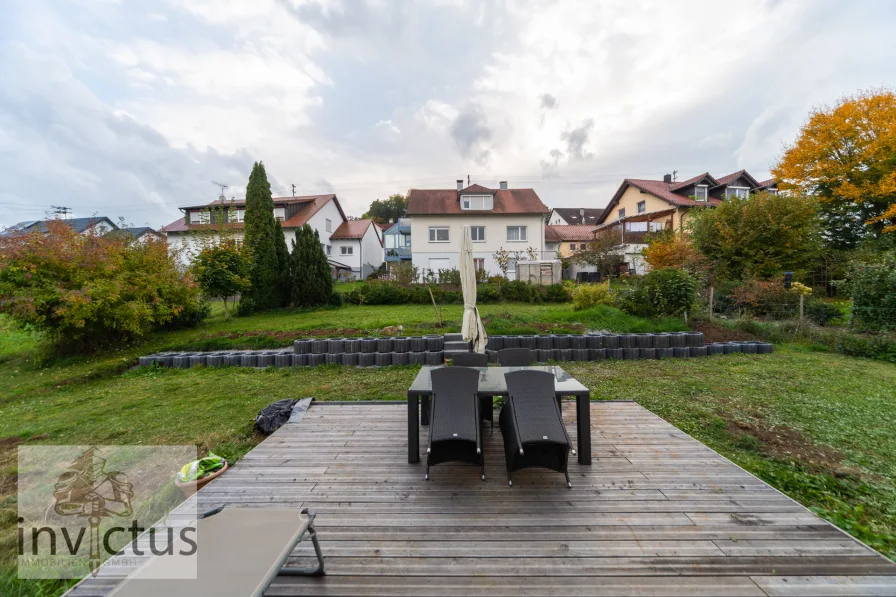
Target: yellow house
(640, 206)
(568, 239)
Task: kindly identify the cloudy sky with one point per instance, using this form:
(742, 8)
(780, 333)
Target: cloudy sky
(132, 108)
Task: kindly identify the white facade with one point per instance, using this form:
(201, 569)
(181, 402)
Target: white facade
(436, 239)
(362, 253)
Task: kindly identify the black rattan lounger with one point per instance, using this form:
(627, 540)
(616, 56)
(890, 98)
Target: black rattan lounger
(515, 357)
(454, 418)
(475, 359)
(534, 434)
(239, 551)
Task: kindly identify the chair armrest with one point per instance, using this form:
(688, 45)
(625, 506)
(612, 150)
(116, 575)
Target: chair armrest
(516, 424)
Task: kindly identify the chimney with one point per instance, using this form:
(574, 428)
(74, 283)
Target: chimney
(460, 184)
(667, 178)
(582, 213)
(503, 185)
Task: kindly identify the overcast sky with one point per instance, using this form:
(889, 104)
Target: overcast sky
(133, 108)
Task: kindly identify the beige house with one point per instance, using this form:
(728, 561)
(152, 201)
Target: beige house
(640, 206)
(502, 218)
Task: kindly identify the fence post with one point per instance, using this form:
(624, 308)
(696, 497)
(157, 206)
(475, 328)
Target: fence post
(711, 289)
(802, 298)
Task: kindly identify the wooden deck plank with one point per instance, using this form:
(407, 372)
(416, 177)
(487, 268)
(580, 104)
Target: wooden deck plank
(657, 513)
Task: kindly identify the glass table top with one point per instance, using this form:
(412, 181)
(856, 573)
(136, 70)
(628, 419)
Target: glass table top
(492, 383)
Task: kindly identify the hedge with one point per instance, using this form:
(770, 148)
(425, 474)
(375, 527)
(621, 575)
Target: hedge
(387, 293)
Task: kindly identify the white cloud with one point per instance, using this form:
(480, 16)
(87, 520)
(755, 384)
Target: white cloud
(116, 107)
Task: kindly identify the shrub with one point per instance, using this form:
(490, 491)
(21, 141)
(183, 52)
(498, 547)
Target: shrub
(222, 271)
(449, 276)
(764, 298)
(518, 291)
(557, 293)
(404, 273)
(496, 279)
(487, 293)
(820, 312)
(587, 296)
(87, 293)
(336, 299)
(874, 294)
(660, 292)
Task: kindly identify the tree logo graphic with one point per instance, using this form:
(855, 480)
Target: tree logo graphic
(88, 491)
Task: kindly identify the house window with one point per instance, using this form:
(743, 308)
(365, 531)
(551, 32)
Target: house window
(516, 234)
(205, 217)
(329, 225)
(476, 202)
(656, 226)
(742, 192)
(240, 214)
(477, 234)
(772, 191)
(479, 263)
(347, 250)
(438, 234)
(700, 192)
(622, 213)
(572, 246)
(642, 206)
(329, 249)
(511, 267)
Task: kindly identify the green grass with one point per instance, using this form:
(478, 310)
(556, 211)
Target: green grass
(818, 426)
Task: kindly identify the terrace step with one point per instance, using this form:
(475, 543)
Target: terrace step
(457, 346)
(454, 338)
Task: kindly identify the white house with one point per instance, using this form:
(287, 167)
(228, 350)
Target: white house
(509, 219)
(347, 252)
(574, 216)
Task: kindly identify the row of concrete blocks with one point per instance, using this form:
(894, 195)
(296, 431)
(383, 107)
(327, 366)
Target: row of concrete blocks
(629, 354)
(256, 358)
(593, 341)
(369, 345)
(286, 358)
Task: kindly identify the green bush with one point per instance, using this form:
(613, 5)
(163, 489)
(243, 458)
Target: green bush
(518, 292)
(89, 293)
(449, 276)
(820, 312)
(336, 299)
(587, 296)
(661, 292)
(487, 293)
(557, 293)
(874, 294)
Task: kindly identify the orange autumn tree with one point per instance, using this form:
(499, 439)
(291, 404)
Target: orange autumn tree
(673, 249)
(846, 155)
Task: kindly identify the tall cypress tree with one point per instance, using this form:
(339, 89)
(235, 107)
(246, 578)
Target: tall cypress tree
(259, 239)
(283, 265)
(323, 279)
(312, 283)
(298, 267)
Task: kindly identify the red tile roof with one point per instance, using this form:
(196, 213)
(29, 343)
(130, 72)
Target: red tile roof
(351, 229)
(550, 236)
(661, 190)
(447, 202)
(686, 183)
(477, 189)
(771, 182)
(729, 178)
(571, 233)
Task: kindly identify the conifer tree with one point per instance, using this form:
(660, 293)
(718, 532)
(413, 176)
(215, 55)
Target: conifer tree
(259, 240)
(283, 265)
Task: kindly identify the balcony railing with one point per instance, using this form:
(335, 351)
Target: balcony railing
(398, 253)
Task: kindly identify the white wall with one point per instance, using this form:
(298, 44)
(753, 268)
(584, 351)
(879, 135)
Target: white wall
(189, 244)
(318, 221)
(556, 220)
(495, 238)
(371, 250)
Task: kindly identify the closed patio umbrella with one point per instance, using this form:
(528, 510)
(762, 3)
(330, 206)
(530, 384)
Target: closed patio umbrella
(472, 330)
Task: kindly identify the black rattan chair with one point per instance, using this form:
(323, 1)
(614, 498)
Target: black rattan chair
(515, 357)
(533, 430)
(454, 418)
(474, 359)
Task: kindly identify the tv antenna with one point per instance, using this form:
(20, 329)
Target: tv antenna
(223, 186)
(674, 175)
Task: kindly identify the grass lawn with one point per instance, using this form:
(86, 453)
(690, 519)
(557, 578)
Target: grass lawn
(819, 426)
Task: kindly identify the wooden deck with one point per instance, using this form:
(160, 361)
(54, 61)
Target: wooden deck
(657, 513)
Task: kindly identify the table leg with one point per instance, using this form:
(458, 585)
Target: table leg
(413, 429)
(583, 427)
(424, 409)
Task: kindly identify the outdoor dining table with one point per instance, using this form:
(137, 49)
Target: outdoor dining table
(492, 383)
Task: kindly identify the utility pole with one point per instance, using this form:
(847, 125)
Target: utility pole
(293, 190)
(60, 211)
(468, 180)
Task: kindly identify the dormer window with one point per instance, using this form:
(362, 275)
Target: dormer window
(701, 192)
(476, 202)
(742, 192)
